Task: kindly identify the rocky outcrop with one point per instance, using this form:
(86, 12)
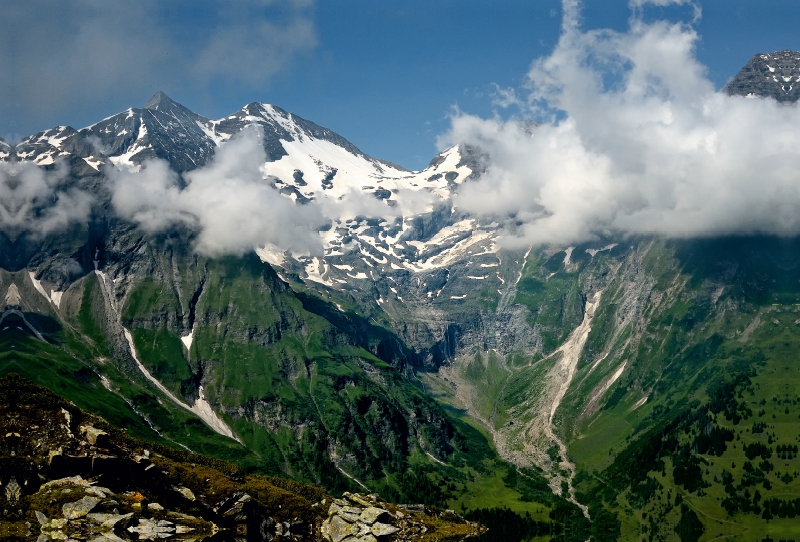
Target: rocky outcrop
(366, 518)
(68, 475)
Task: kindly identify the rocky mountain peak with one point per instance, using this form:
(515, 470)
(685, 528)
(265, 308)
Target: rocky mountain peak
(161, 102)
(774, 75)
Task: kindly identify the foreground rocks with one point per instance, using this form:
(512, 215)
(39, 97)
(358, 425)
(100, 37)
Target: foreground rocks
(366, 518)
(66, 475)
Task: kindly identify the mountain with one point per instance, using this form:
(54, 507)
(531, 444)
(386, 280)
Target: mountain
(149, 492)
(775, 75)
(623, 388)
(226, 356)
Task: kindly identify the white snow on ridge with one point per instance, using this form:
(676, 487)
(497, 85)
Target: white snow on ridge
(93, 162)
(53, 297)
(134, 149)
(593, 251)
(212, 134)
(271, 254)
(201, 408)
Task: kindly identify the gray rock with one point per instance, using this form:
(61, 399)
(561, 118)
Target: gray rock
(95, 436)
(78, 509)
(334, 509)
(383, 529)
(107, 537)
(108, 521)
(97, 491)
(372, 514)
(186, 492)
(349, 516)
(337, 529)
(152, 530)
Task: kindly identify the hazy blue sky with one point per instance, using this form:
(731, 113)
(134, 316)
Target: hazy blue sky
(385, 75)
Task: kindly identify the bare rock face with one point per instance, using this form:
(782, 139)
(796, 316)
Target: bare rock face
(774, 75)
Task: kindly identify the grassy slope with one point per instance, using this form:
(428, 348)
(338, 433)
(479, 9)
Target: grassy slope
(296, 388)
(688, 350)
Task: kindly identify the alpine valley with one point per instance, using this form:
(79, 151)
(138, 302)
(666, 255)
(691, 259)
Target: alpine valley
(631, 388)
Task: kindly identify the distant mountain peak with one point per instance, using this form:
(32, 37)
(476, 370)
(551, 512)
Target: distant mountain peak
(160, 102)
(771, 75)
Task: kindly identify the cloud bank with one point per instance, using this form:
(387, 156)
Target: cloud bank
(634, 139)
(228, 202)
(233, 206)
(34, 200)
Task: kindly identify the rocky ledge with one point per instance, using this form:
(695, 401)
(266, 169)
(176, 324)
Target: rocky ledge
(66, 475)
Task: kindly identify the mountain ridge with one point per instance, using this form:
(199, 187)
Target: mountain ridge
(593, 382)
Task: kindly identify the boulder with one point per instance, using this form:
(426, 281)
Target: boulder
(78, 509)
(337, 529)
(372, 514)
(383, 529)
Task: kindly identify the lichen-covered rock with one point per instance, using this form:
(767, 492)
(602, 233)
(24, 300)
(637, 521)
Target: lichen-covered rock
(337, 529)
(372, 514)
(186, 492)
(97, 491)
(383, 529)
(95, 436)
(79, 508)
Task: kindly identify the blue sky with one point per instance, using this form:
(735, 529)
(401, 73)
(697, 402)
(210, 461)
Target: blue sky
(385, 75)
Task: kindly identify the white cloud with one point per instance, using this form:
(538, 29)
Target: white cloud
(228, 203)
(635, 139)
(34, 200)
(233, 207)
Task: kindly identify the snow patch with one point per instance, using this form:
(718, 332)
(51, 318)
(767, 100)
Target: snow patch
(201, 408)
(187, 340)
(593, 251)
(568, 256)
(53, 297)
(271, 254)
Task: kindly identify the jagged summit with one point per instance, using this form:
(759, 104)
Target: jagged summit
(773, 75)
(161, 102)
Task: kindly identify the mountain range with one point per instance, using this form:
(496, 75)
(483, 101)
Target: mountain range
(626, 388)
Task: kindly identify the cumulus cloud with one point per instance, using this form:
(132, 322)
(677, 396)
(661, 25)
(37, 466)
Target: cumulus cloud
(58, 55)
(35, 201)
(229, 203)
(234, 207)
(634, 139)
